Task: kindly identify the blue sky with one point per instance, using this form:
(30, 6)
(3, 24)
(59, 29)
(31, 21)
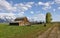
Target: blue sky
(33, 9)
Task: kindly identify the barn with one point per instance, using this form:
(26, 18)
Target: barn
(20, 21)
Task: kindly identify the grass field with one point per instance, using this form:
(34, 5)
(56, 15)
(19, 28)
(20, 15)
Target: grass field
(7, 31)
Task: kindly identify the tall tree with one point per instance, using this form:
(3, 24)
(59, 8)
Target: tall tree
(48, 17)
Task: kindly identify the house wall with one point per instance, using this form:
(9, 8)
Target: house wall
(21, 23)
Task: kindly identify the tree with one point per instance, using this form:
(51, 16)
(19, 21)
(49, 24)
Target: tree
(48, 17)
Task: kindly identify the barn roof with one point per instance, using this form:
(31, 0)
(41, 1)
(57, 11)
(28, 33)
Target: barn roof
(20, 18)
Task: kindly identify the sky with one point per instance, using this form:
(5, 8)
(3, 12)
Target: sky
(34, 10)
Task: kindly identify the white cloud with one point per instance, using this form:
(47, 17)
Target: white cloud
(23, 7)
(40, 3)
(46, 5)
(32, 12)
(56, 17)
(8, 11)
(11, 11)
(59, 8)
(57, 1)
(7, 14)
(54, 10)
(5, 5)
(20, 7)
(20, 15)
(22, 12)
(37, 17)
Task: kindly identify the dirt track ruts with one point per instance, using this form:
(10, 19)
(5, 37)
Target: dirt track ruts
(51, 33)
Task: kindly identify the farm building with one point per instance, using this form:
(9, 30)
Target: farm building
(20, 21)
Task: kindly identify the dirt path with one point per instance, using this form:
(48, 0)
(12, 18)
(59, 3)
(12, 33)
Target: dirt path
(51, 33)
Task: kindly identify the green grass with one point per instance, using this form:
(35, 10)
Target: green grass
(7, 31)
